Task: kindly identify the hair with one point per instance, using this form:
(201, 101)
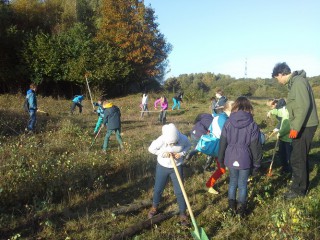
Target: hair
(33, 85)
(281, 68)
(228, 106)
(212, 98)
(242, 103)
(102, 99)
(220, 91)
(272, 102)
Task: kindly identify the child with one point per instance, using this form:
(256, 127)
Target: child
(176, 100)
(215, 128)
(164, 106)
(144, 104)
(76, 101)
(99, 111)
(170, 142)
(32, 108)
(213, 104)
(112, 120)
(285, 147)
(240, 150)
(220, 99)
(276, 104)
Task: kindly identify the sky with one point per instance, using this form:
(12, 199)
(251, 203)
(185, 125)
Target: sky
(239, 38)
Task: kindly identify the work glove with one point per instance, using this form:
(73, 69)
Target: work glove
(269, 114)
(278, 135)
(275, 130)
(166, 155)
(293, 133)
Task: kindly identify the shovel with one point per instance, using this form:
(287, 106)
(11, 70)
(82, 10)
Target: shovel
(269, 174)
(198, 233)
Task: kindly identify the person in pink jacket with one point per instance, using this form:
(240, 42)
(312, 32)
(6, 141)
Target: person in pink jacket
(164, 106)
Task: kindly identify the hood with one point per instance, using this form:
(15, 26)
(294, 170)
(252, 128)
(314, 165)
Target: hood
(300, 73)
(170, 133)
(240, 119)
(107, 105)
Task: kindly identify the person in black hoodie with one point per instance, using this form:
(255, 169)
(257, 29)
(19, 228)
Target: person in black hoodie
(112, 120)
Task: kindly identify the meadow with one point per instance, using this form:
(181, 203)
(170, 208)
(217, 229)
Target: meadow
(54, 185)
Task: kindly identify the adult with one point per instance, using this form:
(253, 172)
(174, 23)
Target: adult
(32, 108)
(303, 119)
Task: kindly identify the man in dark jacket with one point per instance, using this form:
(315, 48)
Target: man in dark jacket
(303, 120)
(112, 120)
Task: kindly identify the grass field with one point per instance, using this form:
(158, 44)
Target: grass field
(54, 186)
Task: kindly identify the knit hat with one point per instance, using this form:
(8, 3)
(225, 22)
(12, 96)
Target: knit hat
(170, 133)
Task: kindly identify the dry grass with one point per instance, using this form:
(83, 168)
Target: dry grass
(52, 186)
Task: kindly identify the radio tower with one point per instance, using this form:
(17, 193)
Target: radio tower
(245, 69)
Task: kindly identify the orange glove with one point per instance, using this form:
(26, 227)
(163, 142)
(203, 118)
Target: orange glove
(293, 133)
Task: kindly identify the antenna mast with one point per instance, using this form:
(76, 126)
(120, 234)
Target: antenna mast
(245, 70)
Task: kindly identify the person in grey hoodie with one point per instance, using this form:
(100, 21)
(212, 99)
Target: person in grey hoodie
(171, 142)
(240, 151)
(303, 119)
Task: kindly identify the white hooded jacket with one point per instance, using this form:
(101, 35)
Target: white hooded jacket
(171, 141)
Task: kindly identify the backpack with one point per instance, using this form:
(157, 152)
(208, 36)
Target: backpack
(208, 144)
(26, 105)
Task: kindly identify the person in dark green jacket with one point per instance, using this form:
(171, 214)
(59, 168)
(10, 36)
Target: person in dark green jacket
(303, 119)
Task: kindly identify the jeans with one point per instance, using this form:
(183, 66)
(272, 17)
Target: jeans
(175, 103)
(32, 120)
(238, 180)
(299, 160)
(163, 116)
(98, 124)
(285, 149)
(108, 134)
(73, 106)
(162, 175)
(145, 109)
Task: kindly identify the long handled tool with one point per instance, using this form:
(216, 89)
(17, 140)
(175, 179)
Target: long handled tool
(41, 111)
(198, 233)
(269, 174)
(86, 77)
(95, 137)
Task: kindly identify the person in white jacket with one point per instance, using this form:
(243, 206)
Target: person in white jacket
(144, 104)
(172, 141)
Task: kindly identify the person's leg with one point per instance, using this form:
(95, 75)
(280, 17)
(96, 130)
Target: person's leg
(162, 174)
(106, 139)
(283, 156)
(118, 137)
(73, 106)
(243, 185)
(80, 107)
(177, 189)
(233, 183)
(32, 120)
(174, 103)
(164, 117)
(98, 125)
(178, 102)
(147, 110)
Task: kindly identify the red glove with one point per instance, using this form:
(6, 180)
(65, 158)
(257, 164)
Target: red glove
(293, 133)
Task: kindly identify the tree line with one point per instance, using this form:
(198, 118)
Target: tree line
(54, 43)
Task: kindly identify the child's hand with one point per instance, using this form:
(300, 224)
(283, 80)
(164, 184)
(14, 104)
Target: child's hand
(176, 155)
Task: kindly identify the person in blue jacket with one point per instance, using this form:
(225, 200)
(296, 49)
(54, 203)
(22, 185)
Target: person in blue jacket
(100, 112)
(32, 108)
(76, 101)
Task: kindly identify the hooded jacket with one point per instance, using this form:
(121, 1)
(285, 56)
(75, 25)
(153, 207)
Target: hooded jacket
(77, 99)
(284, 128)
(172, 141)
(32, 99)
(201, 125)
(112, 116)
(240, 146)
(163, 105)
(300, 102)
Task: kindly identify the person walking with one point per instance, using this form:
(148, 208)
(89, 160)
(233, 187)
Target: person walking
(240, 150)
(112, 119)
(171, 142)
(76, 102)
(32, 106)
(303, 119)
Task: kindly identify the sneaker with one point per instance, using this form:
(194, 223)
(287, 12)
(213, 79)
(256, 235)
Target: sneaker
(184, 222)
(212, 191)
(153, 211)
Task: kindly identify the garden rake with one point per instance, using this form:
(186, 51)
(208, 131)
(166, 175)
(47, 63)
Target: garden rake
(198, 233)
(95, 137)
(269, 174)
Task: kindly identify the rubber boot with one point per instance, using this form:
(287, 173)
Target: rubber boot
(242, 211)
(232, 205)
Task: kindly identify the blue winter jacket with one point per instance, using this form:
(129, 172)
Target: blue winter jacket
(201, 125)
(77, 99)
(240, 146)
(111, 117)
(32, 99)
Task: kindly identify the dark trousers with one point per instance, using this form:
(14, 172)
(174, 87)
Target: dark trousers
(299, 160)
(73, 106)
(285, 149)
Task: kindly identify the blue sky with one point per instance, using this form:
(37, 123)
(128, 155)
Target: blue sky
(220, 36)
